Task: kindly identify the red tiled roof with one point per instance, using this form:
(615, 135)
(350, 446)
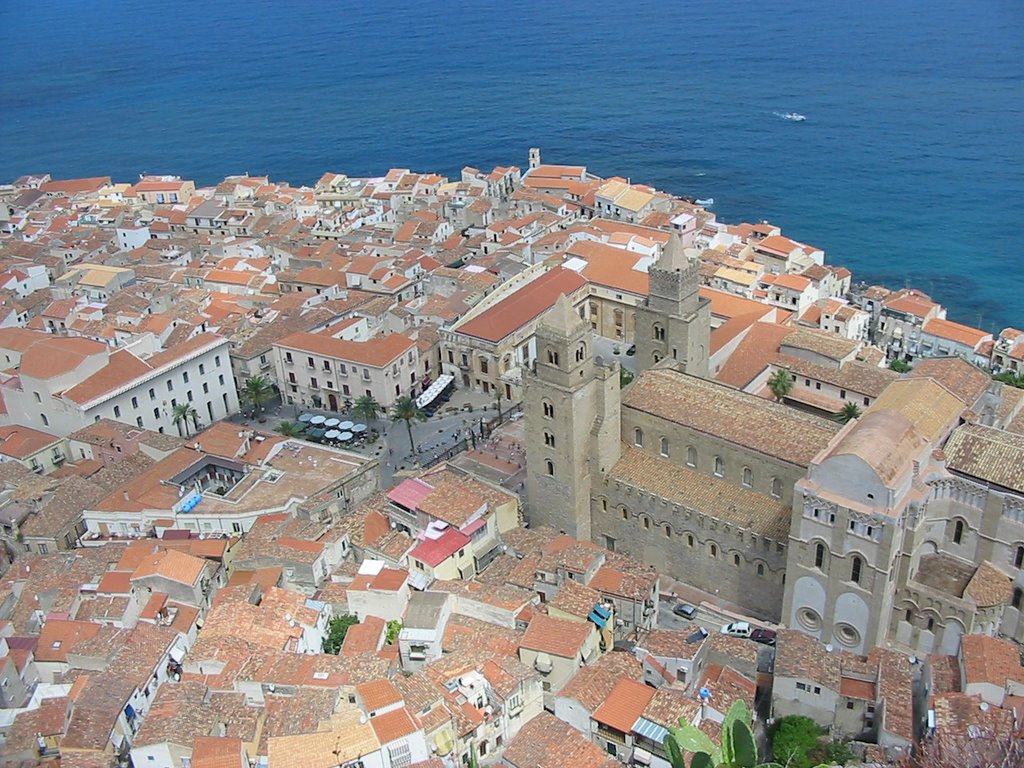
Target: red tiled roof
(526, 304)
(433, 552)
(624, 705)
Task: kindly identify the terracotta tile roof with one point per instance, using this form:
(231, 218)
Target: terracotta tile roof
(464, 633)
(592, 684)
(522, 306)
(960, 720)
(378, 694)
(547, 742)
(53, 356)
(802, 657)
(728, 685)
(668, 706)
(829, 345)
(671, 643)
(217, 752)
(928, 405)
(989, 586)
(990, 660)
(575, 599)
(377, 352)
(753, 354)
(59, 637)
(988, 454)
(955, 332)
(611, 267)
(172, 565)
(737, 417)
(21, 442)
(960, 377)
(393, 725)
(364, 637)
(626, 702)
(558, 637)
(694, 490)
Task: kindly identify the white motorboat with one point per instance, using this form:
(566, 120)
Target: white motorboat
(705, 201)
(795, 117)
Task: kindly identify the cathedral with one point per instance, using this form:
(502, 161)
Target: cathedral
(904, 526)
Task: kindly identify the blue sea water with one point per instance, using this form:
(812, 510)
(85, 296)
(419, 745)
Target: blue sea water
(908, 169)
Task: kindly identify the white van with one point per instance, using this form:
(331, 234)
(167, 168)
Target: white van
(737, 629)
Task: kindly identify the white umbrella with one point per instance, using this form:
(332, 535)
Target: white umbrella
(331, 423)
(358, 428)
(345, 436)
(318, 420)
(332, 434)
(306, 417)
(345, 425)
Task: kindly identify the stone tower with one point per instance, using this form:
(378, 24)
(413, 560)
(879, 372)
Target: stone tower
(534, 157)
(571, 405)
(674, 321)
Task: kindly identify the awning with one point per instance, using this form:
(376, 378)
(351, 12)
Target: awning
(651, 730)
(434, 390)
(443, 741)
(599, 615)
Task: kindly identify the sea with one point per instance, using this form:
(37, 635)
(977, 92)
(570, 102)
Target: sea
(909, 168)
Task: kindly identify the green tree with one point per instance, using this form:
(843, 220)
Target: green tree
(900, 366)
(849, 412)
(336, 630)
(1010, 378)
(781, 383)
(796, 741)
(405, 409)
(257, 392)
(366, 407)
(738, 750)
(182, 414)
(391, 632)
(625, 378)
(290, 428)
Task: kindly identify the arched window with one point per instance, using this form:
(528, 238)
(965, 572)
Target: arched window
(736, 560)
(748, 477)
(719, 466)
(668, 531)
(625, 514)
(549, 466)
(958, 531)
(689, 539)
(549, 440)
(658, 332)
(581, 353)
(1018, 559)
(855, 570)
(647, 522)
(760, 569)
(552, 357)
(549, 410)
(638, 437)
(1018, 597)
(819, 555)
(776, 488)
(931, 624)
(714, 551)
(691, 456)
(664, 447)
(656, 358)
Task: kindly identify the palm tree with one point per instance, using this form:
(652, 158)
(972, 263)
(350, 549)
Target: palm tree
(366, 407)
(183, 413)
(781, 383)
(257, 391)
(290, 428)
(849, 412)
(405, 409)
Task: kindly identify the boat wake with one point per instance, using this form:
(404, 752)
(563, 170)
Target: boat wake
(794, 117)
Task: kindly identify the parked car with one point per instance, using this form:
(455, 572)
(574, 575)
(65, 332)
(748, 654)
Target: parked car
(737, 629)
(766, 636)
(685, 610)
(631, 350)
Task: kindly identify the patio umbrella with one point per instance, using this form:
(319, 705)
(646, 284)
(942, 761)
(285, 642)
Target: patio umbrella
(332, 434)
(345, 425)
(317, 434)
(318, 420)
(332, 422)
(358, 428)
(345, 436)
(306, 417)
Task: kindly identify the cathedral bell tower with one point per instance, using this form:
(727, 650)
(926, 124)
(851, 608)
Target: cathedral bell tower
(674, 321)
(571, 407)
